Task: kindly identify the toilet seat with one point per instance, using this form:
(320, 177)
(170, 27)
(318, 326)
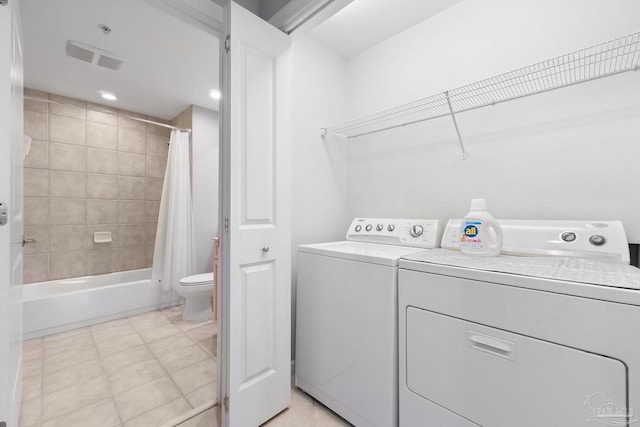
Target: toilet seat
(197, 280)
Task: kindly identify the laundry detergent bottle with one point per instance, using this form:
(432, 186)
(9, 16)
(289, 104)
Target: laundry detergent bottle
(480, 233)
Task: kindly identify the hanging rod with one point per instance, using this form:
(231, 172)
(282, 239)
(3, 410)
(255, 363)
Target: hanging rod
(605, 59)
(99, 110)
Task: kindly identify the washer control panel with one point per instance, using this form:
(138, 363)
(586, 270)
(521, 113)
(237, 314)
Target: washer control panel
(421, 233)
(605, 240)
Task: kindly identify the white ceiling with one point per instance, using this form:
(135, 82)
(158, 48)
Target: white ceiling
(168, 64)
(365, 23)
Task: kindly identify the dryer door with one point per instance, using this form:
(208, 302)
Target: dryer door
(500, 379)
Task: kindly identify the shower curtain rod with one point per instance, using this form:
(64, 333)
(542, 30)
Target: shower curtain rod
(151, 122)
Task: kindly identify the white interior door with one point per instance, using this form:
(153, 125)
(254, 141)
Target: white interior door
(255, 211)
(11, 162)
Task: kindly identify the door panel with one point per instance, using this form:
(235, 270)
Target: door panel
(256, 244)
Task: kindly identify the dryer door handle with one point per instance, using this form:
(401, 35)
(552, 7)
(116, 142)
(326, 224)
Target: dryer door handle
(492, 345)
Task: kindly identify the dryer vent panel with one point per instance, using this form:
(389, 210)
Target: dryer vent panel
(93, 55)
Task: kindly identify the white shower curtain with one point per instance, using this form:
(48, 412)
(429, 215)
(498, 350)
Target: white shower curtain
(173, 253)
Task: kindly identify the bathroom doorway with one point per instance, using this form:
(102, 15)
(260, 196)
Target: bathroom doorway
(112, 352)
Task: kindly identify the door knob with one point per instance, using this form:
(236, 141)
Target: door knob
(266, 249)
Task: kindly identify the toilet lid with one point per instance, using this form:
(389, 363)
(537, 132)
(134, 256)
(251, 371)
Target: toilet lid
(197, 279)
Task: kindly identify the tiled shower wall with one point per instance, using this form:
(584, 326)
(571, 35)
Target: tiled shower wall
(89, 171)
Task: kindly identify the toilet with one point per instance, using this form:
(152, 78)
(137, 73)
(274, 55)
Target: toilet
(197, 290)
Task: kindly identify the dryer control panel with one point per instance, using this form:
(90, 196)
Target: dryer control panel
(420, 233)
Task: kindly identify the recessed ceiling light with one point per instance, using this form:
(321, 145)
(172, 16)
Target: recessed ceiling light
(215, 94)
(108, 95)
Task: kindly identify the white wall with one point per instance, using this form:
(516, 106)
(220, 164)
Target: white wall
(205, 184)
(567, 154)
(319, 168)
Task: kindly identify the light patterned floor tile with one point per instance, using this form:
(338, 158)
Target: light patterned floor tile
(195, 376)
(205, 394)
(31, 368)
(322, 417)
(136, 375)
(115, 362)
(68, 359)
(100, 414)
(203, 332)
(182, 357)
(300, 398)
(139, 400)
(74, 398)
(112, 333)
(68, 343)
(64, 335)
(210, 346)
(32, 349)
(209, 418)
(30, 413)
(161, 414)
(171, 343)
(72, 375)
(186, 325)
(111, 324)
(31, 387)
(295, 416)
(124, 342)
(159, 332)
(149, 320)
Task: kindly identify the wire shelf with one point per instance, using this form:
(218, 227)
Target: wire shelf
(601, 60)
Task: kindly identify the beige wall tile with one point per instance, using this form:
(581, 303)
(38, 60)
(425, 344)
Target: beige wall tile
(153, 209)
(36, 268)
(131, 188)
(102, 161)
(36, 182)
(41, 234)
(36, 211)
(90, 229)
(159, 130)
(131, 258)
(151, 232)
(67, 238)
(102, 186)
(67, 264)
(102, 211)
(36, 125)
(131, 211)
(100, 117)
(68, 184)
(131, 164)
(125, 122)
(38, 106)
(77, 110)
(156, 166)
(68, 157)
(131, 235)
(149, 251)
(67, 130)
(99, 262)
(154, 188)
(38, 156)
(131, 140)
(157, 145)
(100, 135)
(67, 211)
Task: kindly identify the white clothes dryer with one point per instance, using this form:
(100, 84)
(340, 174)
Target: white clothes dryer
(346, 317)
(546, 339)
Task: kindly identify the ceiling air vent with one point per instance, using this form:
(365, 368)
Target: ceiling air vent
(93, 55)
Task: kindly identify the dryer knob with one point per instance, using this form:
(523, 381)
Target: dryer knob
(379, 227)
(391, 227)
(568, 236)
(368, 227)
(416, 231)
(597, 240)
(358, 228)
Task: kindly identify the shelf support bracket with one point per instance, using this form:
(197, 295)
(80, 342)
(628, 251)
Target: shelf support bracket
(455, 124)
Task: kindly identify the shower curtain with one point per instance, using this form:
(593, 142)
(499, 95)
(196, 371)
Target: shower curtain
(173, 253)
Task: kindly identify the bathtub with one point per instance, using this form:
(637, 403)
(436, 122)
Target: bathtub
(61, 305)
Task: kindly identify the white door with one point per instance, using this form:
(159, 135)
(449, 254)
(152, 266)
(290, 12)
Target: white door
(11, 161)
(256, 224)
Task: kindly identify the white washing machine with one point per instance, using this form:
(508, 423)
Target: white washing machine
(547, 338)
(346, 317)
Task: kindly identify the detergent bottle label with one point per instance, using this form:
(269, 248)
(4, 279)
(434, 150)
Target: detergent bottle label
(470, 235)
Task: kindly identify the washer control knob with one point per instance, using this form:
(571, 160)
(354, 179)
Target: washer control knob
(379, 227)
(391, 227)
(597, 240)
(416, 230)
(368, 227)
(568, 236)
(358, 228)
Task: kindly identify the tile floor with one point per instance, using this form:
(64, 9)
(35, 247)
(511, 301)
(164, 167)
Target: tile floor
(139, 371)
(303, 412)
